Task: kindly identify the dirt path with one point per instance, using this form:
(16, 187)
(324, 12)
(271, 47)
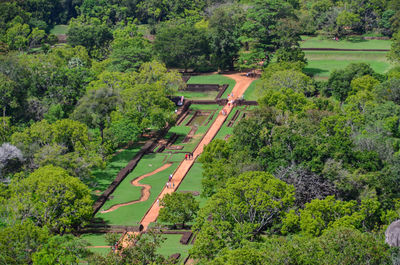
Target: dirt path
(145, 189)
(242, 83)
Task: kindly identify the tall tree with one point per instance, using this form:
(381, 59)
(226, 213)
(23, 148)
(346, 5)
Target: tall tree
(129, 49)
(96, 106)
(178, 208)
(224, 32)
(67, 207)
(181, 44)
(259, 30)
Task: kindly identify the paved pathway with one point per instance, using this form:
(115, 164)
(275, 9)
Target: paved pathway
(242, 82)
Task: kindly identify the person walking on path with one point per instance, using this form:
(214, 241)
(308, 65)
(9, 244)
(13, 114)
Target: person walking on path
(158, 202)
(191, 155)
(186, 156)
(170, 177)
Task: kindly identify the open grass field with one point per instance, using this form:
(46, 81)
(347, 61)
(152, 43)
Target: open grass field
(350, 43)
(171, 245)
(59, 29)
(322, 63)
(251, 92)
(103, 177)
(208, 79)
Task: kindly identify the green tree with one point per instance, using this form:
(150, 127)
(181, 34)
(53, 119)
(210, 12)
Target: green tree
(340, 80)
(178, 208)
(180, 44)
(129, 49)
(17, 36)
(64, 249)
(346, 21)
(95, 108)
(249, 204)
(67, 207)
(92, 34)
(394, 54)
(260, 27)
(20, 241)
(65, 143)
(7, 94)
(224, 31)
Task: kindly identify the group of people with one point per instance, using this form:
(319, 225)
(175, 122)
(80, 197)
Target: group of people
(189, 156)
(170, 184)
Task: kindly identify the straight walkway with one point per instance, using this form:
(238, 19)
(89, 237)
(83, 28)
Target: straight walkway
(242, 83)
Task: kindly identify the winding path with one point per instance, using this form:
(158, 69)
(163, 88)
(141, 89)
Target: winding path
(145, 192)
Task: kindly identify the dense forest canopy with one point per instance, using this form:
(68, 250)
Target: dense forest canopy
(311, 176)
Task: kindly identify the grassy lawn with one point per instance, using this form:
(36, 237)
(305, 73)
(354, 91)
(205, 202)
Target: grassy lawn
(198, 95)
(213, 79)
(95, 239)
(352, 43)
(59, 29)
(171, 245)
(251, 91)
(132, 214)
(103, 177)
(192, 182)
(322, 63)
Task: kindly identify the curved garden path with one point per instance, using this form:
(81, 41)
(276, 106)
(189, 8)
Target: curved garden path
(242, 83)
(145, 192)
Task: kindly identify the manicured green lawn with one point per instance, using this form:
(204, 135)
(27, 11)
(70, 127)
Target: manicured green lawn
(251, 92)
(59, 29)
(353, 43)
(192, 182)
(100, 251)
(103, 177)
(171, 245)
(132, 214)
(322, 63)
(214, 79)
(95, 239)
(198, 95)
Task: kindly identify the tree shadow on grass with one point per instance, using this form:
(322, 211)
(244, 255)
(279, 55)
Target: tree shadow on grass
(314, 71)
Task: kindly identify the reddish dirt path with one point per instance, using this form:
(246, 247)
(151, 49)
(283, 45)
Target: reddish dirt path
(242, 83)
(145, 189)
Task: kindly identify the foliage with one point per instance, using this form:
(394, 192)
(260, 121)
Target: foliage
(67, 207)
(20, 241)
(129, 49)
(140, 249)
(249, 203)
(65, 143)
(181, 44)
(178, 208)
(61, 250)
